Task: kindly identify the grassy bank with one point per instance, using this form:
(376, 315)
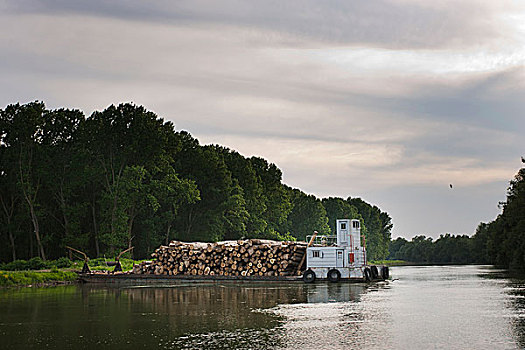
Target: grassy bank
(32, 278)
(36, 272)
(390, 262)
(34, 264)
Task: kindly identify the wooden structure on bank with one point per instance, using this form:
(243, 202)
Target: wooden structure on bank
(253, 257)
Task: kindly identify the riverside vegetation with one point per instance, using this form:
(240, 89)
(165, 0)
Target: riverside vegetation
(38, 272)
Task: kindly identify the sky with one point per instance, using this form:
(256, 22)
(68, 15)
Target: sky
(390, 101)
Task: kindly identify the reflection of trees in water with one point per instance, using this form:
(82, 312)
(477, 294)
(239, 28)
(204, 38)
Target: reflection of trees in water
(340, 292)
(193, 316)
(217, 307)
(224, 316)
(218, 316)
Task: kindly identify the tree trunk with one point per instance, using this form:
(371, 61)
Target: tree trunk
(30, 244)
(132, 216)
(168, 234)
(95, 229)
(13, 247)
(190, 221)
(30, 201)
(64, 216)
(113, 219)
(9, 214)
(34, 219)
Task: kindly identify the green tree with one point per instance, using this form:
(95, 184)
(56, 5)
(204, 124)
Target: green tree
(276, 198)
(118, 138)
(338, 208)
(308, 214)
(22, 132)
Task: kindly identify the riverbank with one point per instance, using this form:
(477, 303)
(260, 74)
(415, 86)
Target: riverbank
(36, 278)
(390, 262)
(38, 273)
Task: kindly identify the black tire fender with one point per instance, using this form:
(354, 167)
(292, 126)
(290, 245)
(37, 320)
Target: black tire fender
(366, 274)
(309, 276)
(374, 272)
(334, 275)
(385, 273)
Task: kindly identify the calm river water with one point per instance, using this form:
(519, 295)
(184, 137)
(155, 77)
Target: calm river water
(451, 307)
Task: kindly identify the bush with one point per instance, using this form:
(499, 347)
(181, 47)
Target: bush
(17, 265)
(63, 262)
(36, 264)
(29, 277)
(97, 262)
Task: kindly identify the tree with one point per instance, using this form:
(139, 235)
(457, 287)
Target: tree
(307, 215)
(243, 172)
(118, 138)
(276, 198)
(22, 133)
(506, 241)
(338, 208)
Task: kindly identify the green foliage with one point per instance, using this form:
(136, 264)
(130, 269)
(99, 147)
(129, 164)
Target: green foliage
(101, 264)
(308, 214)
(63, 262)
(24, 278)
(36, 263)
(16, 265)
(389, 262)
(274, 235)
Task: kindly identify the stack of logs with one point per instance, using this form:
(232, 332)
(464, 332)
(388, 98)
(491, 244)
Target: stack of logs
(253, 257)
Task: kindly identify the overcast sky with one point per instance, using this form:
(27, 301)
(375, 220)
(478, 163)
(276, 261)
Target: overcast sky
(390, 101)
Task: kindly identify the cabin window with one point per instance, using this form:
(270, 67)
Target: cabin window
(315, 254)
(355, 224)
(343, 226)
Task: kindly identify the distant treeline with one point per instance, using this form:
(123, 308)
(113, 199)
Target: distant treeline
(447, 249)
(124, 176)
(500, 242)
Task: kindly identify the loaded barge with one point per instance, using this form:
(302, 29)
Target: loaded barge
(324, 258)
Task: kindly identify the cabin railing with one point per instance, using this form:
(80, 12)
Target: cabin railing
(323, 240)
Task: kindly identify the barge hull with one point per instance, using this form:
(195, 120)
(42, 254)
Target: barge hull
(152, 280)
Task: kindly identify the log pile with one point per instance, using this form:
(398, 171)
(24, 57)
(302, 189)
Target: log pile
(253, 257)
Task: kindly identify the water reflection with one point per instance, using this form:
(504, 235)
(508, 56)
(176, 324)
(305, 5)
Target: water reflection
(515, 291)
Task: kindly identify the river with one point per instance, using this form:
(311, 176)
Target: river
(431, 307)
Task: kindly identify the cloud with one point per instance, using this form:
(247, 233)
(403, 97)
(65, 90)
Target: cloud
(391, 24)
(351, 99)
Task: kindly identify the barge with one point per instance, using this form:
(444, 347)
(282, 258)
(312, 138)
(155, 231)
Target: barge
(338, 258)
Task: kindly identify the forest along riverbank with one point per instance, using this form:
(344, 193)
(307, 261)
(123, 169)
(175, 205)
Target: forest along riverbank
(459, 307)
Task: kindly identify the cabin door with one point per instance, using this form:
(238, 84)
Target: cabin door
(339, 258)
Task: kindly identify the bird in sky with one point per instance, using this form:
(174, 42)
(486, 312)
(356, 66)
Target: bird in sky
(450, 185)
(522, 159)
